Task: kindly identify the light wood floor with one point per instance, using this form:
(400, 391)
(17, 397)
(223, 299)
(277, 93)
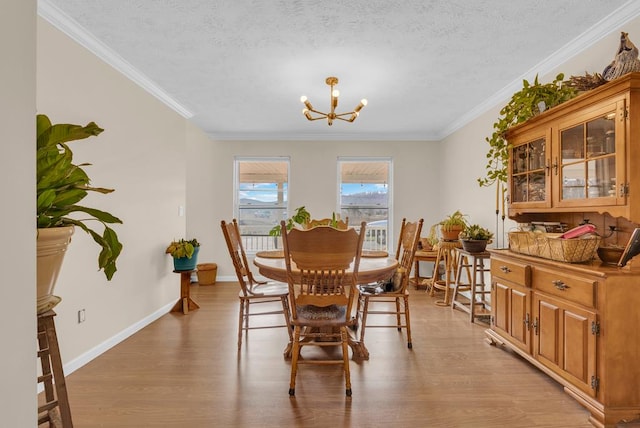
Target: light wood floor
(185, 371)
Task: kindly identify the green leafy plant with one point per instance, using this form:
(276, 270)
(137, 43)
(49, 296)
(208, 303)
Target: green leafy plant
(453, 221)
(530, 101)
(182, 248)
(61, 185)
(300, 216)
(476, 232)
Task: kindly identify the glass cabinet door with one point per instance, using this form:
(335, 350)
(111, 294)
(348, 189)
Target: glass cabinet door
(586, 168)
(529, 172)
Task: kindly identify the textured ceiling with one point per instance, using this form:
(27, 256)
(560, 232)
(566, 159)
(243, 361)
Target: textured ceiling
(426, 67)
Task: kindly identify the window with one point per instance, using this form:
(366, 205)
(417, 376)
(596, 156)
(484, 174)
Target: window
(365, 195)
(261, 187)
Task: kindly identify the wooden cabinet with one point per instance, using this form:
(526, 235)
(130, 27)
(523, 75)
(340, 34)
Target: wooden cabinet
(578, 156)
(511, 301)
(575, 322)
(564, 338)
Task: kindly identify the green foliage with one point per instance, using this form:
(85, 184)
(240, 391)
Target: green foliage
(182, 248)
(300, 216)
(61, 185)
(524, 105)
(455, 219)
(476, 232)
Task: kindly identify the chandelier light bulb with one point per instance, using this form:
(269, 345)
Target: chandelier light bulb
(332, 115)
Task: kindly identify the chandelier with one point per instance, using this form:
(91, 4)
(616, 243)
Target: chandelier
(332, 115)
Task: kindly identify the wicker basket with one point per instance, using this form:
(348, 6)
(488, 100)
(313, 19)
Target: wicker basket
(550, 246)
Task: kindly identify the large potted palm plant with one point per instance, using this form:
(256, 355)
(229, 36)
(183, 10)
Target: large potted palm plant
(61, 185)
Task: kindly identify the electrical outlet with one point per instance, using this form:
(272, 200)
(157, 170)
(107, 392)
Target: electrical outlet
(81, 316)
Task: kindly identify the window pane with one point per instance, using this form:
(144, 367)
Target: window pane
(261, 199)
(364, 196)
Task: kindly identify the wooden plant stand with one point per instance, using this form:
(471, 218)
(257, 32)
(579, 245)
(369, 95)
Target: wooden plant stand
(186, 303)
(55, 409)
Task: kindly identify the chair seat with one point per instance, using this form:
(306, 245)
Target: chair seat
(310, 315)
(269, 289)
(370, 289)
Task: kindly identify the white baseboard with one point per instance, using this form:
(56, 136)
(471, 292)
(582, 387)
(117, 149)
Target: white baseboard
(97, 350)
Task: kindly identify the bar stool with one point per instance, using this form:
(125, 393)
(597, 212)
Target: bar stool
(446, 255)
(475, 286)
(56, 409)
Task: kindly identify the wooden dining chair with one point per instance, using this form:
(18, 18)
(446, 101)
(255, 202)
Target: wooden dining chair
(338, 223)
(398, 297)
(322, 271)
(254, 292)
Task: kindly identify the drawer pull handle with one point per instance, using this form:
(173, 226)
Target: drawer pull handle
(560, 285)
(505, 269)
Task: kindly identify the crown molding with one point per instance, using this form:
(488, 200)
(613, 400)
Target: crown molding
(247, 136)
(603, 28)
(80, 35)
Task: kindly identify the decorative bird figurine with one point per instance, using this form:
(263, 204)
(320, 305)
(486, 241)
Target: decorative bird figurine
(625, 60)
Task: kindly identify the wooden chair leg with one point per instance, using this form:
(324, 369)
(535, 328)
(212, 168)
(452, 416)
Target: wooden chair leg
(295, 353)
(241, 322)
(363, 320)
(407, 319)
(344, 335)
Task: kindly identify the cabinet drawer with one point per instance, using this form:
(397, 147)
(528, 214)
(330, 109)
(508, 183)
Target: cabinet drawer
(519, 273)
(572, 288)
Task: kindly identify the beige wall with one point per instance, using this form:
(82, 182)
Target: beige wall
(417, 183)
(17, 255)
(158, 161)
(141, 154)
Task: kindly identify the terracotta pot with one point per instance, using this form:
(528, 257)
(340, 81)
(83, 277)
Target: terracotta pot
(451, 234)
(51, 247)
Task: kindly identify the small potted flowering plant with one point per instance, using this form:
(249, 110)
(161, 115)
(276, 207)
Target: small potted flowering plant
(184, 253)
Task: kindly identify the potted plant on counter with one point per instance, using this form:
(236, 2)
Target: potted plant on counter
(184, 253)
(474, 238)
(60, 186)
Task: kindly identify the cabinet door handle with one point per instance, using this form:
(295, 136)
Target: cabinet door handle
(535, 326)
(560, 285)
(555, 166)
(547, 168)
(505, 269)
(526, 322)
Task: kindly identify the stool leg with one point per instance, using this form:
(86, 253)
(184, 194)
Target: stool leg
(472, 301)
(46, 324)
(458, 278)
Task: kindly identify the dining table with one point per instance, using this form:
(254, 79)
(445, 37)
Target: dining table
(374, 266)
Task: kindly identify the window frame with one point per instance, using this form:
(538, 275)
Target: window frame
(237, 161)
(389, 243)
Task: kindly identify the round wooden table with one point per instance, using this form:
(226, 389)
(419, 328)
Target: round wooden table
(371, 269)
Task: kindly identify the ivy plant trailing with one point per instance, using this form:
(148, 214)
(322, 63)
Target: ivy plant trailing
(530, 101)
